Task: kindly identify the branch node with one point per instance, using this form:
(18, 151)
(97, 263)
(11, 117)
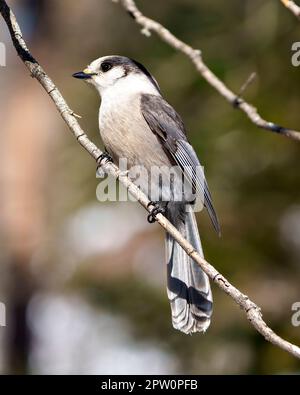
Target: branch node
(219, 278)
(75, 115)
(51, 90)
(146, 32)
(190, 251)
(79, 136)
(276, 128)
(237, 101)
(131, 14)
(255, 308)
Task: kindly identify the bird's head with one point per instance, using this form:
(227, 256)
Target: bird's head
(118, 71)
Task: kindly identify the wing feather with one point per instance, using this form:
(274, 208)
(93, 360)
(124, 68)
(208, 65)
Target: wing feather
(167, 125)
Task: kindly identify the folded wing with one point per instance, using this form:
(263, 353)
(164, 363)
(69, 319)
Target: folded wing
(167, 125)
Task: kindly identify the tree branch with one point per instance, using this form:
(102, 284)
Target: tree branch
(251, 310)
(195, 56)
(292, 6)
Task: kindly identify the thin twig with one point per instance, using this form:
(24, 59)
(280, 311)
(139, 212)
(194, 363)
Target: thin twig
(292, 6)
(248, 82)
(252, 311)
(195, 56)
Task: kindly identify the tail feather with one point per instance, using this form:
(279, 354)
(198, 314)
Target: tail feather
(188, 286)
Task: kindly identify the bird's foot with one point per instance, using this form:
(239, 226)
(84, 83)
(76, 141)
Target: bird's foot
(100, 172)
(105, 156)
(157, 209)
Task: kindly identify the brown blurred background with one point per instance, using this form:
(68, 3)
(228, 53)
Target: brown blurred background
(83, 281)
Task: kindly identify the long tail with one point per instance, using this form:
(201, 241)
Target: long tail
(188, 286)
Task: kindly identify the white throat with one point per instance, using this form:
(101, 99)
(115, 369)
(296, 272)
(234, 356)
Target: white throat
(127, 86)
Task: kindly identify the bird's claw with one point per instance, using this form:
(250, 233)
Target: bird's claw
(105, 156)
(157, 209)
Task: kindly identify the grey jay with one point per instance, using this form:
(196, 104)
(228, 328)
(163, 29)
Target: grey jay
(136, 123)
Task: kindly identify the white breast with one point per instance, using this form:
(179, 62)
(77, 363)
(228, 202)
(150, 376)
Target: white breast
(123, 128)
(126, 134)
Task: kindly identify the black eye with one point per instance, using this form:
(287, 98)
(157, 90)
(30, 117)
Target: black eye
(105, 66)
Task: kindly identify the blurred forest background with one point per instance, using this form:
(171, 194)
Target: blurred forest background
(84, 281)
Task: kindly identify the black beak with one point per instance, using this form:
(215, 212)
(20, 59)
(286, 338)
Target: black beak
(82, 75)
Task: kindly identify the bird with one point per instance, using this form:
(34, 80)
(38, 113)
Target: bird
(138, 124)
